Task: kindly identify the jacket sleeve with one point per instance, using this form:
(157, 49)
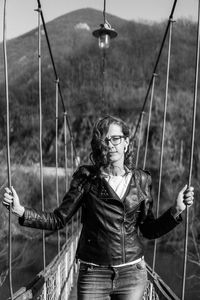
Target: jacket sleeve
(60, 216)
(151, 227)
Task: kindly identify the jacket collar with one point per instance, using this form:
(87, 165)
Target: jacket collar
(108, 192)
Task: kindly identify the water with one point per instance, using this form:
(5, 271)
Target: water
(27, 264)
(169, 267)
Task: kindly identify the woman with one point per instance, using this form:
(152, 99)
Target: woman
(116, 201)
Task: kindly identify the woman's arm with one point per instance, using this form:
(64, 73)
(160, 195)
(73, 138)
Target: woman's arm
(50, 220)
(151, 227)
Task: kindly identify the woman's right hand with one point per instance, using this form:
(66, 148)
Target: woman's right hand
(11, 199)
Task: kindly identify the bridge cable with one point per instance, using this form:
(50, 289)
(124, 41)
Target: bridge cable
(149, 121)
(65, 149)
(163, 137)
(191, 151)
(103, 81)
(107, 27)
(103, 66)
(41, 132)
(56, 150)
(66, 164)
(155, 67)
(139, 140)
(104, 109)
(56, 75)
(8, 148)
(104, 11)
(67, 122)
(72, 168)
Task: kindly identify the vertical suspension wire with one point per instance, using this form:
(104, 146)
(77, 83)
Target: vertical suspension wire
(149, 120)
(8, 148)
(56, 150)
(72, 170)
(66, 163)
(105, 106)
(103, 61)
(65, 149)
(55, 73)
(139, 140)
(191, 153)
(156, 65)
(104, 12)
(72, 155)
(163, 137)
(40, 116)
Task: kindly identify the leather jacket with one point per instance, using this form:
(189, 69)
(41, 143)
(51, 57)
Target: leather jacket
(110, 225)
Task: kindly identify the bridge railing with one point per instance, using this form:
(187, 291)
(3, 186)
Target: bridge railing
(157, 289)
(57, 280)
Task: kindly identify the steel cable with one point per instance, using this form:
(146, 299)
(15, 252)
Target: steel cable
(65, 142)
(163, 138)
(149, 121)
(104, 11)
(66, 171)
(41, 131)
(8, 146)
(56, 75)
(56, 150)
(155, 68)
(191, 152)
(139, 139)
(103, 81)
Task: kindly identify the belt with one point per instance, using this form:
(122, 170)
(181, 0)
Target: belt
(114, 266)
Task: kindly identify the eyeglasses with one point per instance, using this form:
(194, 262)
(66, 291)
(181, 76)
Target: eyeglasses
(115, 140)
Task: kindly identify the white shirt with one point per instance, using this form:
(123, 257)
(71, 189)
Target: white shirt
(119, 183)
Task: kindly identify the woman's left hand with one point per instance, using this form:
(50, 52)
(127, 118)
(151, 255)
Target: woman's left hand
(184, 198)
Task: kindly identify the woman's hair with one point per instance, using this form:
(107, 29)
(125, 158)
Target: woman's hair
(99, 155)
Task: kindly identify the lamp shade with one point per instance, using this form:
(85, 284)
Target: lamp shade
(104, 34)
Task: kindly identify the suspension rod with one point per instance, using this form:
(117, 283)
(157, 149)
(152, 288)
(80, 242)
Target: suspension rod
(41, 133)
(104, 11)
(8, 148)
(66, 172)
(149, 121)
(139, 140)
(155, 67)
(55, 72)
(56, 150)
(65, 139)
(163, 137)
(191, 153)
(103, 102)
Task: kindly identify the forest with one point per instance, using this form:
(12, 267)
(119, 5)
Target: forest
(129, 63)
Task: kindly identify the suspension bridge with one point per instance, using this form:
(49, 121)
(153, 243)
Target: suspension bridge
(58, 278)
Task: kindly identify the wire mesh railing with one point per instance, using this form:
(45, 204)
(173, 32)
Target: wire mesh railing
(59, 277)
(57, 280)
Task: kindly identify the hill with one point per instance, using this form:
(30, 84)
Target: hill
(66, 34)
(129, 65)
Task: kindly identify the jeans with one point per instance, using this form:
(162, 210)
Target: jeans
(116, 283)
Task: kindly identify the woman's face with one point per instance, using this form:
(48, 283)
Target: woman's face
(117, 145)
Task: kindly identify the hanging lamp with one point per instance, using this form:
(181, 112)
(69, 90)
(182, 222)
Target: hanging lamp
(105, 33)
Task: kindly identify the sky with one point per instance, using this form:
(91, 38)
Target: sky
(21, 17)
